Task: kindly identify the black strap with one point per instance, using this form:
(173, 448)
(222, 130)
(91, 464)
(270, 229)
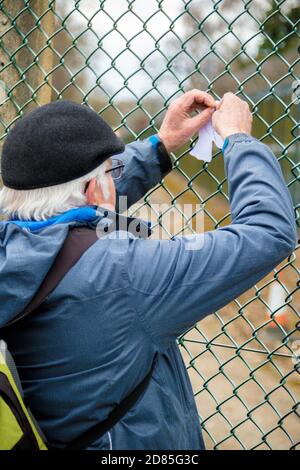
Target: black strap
(93, 434)
(75, 245)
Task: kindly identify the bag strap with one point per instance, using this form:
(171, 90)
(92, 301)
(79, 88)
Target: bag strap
(77, 242)
(83, 441)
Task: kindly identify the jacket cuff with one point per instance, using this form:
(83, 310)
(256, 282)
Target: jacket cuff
(164, 157)
(236, 138)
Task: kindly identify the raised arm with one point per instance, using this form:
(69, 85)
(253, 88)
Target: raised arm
(148, 161)
(175, 287)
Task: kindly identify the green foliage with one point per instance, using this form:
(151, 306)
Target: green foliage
(278, 28)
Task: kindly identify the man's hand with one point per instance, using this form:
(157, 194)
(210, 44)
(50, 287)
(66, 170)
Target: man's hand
(232, 116)
(178, 125)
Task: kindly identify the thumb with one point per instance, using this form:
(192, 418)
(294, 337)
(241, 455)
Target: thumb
(201, 119)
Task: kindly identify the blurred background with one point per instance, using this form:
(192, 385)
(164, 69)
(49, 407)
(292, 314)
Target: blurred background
(128, 59)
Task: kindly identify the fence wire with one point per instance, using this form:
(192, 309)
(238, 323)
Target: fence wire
(128, 59)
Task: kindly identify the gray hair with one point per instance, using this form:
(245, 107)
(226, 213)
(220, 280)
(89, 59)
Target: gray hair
(42, 203)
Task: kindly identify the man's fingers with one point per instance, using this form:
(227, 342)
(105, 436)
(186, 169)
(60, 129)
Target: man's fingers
(201, 97)
(193, 98)
(230, 99)
(201, 119)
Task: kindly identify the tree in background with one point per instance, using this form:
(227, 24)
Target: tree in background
(208, 45)
(277, 29)
(69, 78)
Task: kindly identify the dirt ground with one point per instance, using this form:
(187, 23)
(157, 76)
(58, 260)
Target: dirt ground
(240, 362)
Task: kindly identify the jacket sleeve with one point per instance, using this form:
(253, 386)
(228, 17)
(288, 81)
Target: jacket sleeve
(146, 163)
(173, 287)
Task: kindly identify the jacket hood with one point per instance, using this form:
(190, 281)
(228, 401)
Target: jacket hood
(28, 250)
(25, 259)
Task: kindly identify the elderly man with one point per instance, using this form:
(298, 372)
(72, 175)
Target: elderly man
(116, 314)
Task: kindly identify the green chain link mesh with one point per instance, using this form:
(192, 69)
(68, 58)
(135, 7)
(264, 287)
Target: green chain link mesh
(128, 59)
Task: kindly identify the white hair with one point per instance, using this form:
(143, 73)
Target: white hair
(42, 203)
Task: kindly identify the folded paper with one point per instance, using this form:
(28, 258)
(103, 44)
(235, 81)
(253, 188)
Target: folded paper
(203, 147)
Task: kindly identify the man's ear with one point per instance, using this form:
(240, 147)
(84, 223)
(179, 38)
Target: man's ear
(90, 192)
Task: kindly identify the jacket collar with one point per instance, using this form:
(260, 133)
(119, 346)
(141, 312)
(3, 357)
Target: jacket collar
(103, 220)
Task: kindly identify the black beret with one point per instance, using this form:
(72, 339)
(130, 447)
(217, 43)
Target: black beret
(54, 144)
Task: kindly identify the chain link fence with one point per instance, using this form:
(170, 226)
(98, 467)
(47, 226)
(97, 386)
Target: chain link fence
(128, 59)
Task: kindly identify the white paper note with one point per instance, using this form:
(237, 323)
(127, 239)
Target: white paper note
(203, 147)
